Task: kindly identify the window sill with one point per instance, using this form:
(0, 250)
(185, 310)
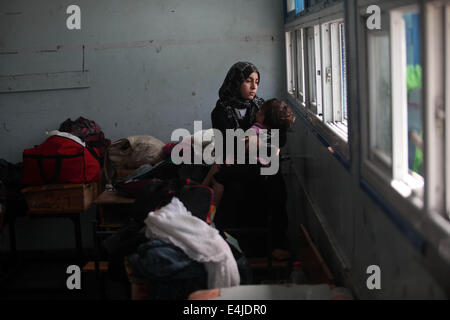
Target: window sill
(326, 134)
(340, 129)
(414, 195)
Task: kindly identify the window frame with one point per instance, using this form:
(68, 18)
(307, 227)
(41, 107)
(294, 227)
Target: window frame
(447, 112)
(301, 87)
(435, 198)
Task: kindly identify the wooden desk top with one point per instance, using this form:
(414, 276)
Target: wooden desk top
(112, 197)
(60, 199)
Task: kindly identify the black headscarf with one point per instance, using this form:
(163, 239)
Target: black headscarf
(230, 93)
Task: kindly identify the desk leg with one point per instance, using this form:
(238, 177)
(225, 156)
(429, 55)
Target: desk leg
(77, 225)
(269, 243)
(96, 249)
(12, 236)
(12, 240)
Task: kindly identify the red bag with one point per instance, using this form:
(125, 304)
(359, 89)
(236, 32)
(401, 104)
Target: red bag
(62, 158)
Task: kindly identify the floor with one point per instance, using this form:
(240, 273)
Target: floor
(40, 275)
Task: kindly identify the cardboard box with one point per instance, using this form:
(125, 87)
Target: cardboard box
(62, 198)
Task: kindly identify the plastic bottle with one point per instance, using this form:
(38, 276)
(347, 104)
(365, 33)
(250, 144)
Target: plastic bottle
(297, 275)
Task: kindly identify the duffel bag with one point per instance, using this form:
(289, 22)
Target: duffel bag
(62, 158)
(131, 153)
(135, 151)
(88, 131)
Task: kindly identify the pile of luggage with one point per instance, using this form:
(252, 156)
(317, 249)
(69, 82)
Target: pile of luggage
(71, 155)
(169, 239)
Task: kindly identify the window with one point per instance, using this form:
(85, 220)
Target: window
(379, 71)
(295, 6)
(290, 52)
(298, 78)
(301, 95)
(343, 65)
(406, 104)
(290, 5)
(334, 80)
(313, 55)
(394, 95)
(317, 73)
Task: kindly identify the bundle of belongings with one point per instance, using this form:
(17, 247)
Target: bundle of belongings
(170, 240)
(171, 243)
(131, 153)
(174, 224)
(72, 154)
(137, 151)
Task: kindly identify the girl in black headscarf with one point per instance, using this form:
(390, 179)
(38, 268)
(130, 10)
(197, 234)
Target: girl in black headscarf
(238, 102)
(236, 109)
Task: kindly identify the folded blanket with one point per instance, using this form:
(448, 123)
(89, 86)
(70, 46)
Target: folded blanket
(174, 224)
